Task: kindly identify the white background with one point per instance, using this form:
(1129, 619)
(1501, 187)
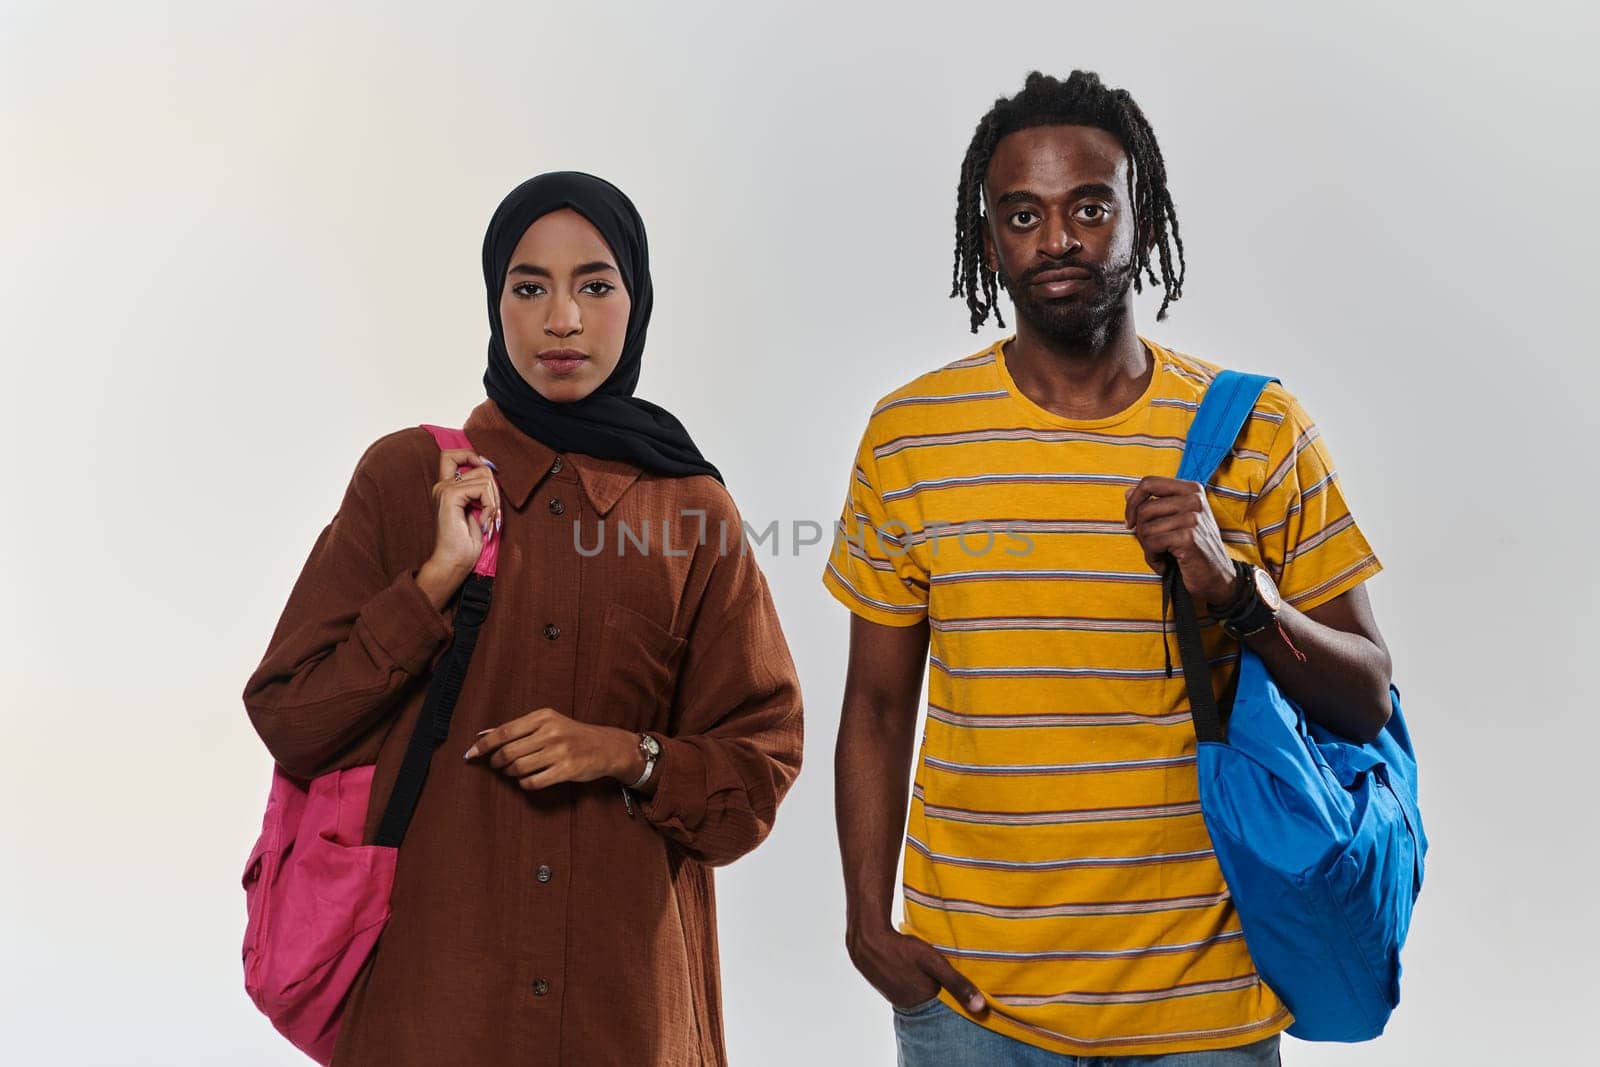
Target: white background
(240, 241)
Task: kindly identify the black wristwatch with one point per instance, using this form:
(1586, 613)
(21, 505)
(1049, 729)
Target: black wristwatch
(1254, 608)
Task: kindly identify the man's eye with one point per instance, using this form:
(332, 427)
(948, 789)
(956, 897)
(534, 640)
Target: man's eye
(1093, 212)
(1024, 218)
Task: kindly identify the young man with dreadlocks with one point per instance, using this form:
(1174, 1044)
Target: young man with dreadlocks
(1015, 509)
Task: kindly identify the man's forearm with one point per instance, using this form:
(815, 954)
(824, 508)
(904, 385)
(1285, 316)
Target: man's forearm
(1343, 681)
(872, 773)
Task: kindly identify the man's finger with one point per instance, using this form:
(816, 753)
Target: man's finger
(1164, 526)
(1137, 498)
(1160, 507)
(1158, 548)
(939, 969)
(1156, 485)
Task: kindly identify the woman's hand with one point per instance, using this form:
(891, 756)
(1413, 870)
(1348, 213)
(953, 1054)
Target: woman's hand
(457, 539)
(544, 748)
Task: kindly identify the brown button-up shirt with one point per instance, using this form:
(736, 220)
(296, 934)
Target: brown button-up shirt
(559, 926)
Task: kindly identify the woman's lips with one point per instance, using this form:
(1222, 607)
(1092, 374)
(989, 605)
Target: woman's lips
(561, 362)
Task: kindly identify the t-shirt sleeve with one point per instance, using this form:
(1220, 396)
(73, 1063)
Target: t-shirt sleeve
(870, 569)
(1308, 539)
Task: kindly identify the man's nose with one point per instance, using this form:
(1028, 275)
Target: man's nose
(1058, 242)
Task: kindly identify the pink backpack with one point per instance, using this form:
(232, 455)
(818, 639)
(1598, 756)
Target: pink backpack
(316, 896)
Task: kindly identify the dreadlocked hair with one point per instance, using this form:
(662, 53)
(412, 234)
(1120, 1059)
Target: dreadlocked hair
(1081, 100)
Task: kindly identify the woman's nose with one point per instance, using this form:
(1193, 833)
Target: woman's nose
(565, 319)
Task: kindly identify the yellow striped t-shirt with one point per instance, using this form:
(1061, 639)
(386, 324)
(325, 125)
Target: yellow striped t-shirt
(1055, 850)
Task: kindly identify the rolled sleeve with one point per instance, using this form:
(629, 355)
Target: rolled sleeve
(405, 626)
(735, 744)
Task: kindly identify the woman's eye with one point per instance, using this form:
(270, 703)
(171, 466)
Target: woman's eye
(597, 288)
(527, 289)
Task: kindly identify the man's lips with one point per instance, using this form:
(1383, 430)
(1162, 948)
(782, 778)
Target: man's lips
(1062, 281)
(1062, 274)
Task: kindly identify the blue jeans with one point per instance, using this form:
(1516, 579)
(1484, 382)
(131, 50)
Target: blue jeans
(933, 1035)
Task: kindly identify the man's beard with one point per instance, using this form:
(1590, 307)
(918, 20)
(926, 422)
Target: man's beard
(1083, 319)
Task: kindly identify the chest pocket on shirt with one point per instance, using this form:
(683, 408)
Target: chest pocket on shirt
(634, 671)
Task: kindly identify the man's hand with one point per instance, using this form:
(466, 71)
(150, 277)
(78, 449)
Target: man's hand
(545, 747)
(1170, 517)
(909, 971)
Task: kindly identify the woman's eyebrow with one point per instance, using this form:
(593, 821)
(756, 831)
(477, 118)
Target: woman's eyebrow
(594, 267)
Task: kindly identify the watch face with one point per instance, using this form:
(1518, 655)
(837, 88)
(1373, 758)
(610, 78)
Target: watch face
(1268, 591)
(649, 746)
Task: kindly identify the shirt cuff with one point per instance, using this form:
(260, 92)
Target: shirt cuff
(1335, 587)
(404, 623)
(679, 802)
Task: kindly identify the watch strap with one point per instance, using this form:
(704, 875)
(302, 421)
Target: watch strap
(1241, 597)
(1252, 614)
(649, 763)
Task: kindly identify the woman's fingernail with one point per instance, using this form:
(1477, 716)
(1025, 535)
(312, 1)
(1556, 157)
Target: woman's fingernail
(499, 519)
(487, 462)
(482, 732)
(473, 751)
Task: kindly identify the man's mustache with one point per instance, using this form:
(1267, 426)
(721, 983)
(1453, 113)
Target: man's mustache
(1027, 276)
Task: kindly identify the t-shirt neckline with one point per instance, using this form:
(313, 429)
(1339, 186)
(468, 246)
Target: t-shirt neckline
(1046, 415)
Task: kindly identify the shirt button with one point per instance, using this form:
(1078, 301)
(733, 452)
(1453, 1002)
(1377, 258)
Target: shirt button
(555, 468)
(541, 987)
(556, 506)
(543, 874)
(552, 631)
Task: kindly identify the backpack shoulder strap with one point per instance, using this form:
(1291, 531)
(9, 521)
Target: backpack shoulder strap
(444, 684)
(448, 437)
(1223, 413)
(1227, 406)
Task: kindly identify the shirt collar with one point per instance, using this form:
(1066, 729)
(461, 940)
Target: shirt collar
(522, 462)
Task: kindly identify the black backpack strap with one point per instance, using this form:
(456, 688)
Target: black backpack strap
(1210, 722)
(433, 724)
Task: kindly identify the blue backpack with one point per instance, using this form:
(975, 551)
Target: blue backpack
(1319, 838)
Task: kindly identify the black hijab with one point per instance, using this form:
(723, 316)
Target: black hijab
(609, 423)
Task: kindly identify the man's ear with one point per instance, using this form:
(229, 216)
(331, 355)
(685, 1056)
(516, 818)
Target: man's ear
(990, 259)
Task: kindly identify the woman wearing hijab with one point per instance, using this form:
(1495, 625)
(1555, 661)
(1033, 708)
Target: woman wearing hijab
(630, 717)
